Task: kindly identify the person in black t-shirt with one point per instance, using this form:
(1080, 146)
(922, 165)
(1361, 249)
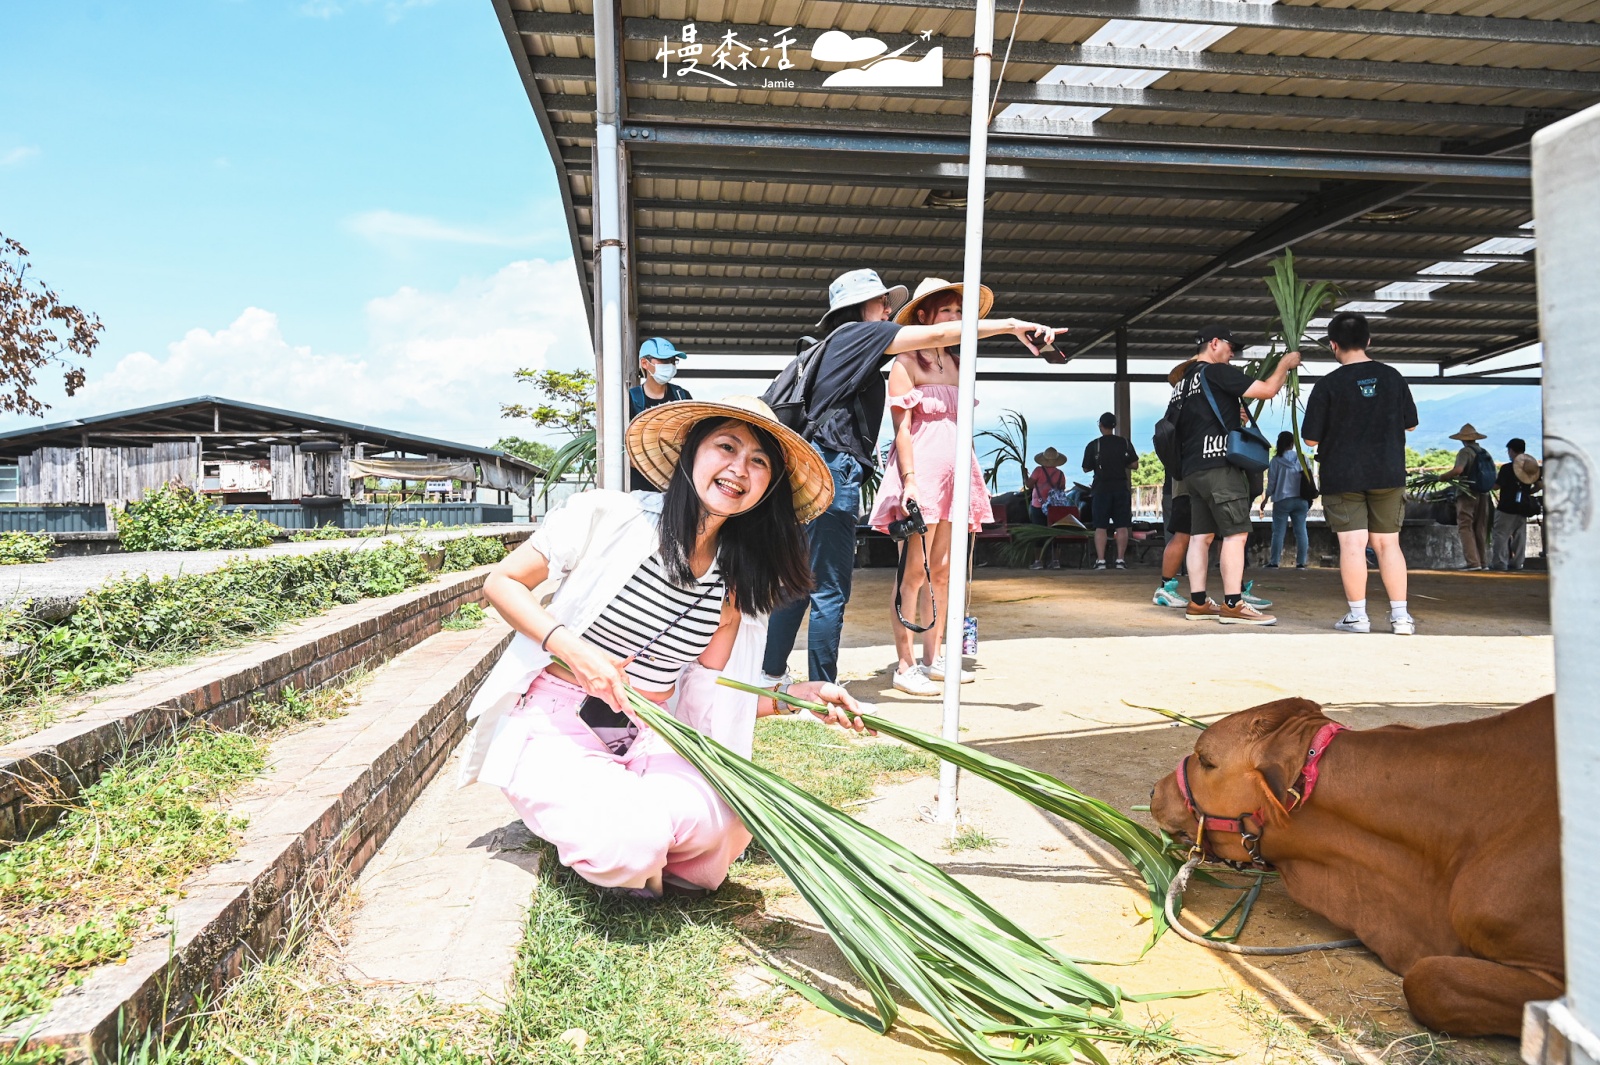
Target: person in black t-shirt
(1219, 493)
(843, 413)
(1357, 418)
(1110, 458)
(658, 365)
(1517, 487)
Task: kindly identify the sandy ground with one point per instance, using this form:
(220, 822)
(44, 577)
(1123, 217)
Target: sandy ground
(1061, 655)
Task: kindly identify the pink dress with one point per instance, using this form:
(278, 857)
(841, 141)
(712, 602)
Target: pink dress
(933, 444)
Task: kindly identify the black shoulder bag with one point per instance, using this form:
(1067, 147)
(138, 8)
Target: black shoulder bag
(1248, 448)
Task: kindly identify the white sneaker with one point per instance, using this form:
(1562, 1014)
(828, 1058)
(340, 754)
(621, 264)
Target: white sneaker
(936, 671)
(1037, 563)
(1351, 623)
(1167, 595)
(1403, 626)
(915, 681)
(769, 681)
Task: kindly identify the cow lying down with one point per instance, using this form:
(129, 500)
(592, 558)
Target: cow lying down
(1439, 847)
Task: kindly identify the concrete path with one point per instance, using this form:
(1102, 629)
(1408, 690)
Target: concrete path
(442, 903)
(66, 578)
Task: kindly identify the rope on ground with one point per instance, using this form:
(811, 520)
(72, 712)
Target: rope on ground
(1175, 891)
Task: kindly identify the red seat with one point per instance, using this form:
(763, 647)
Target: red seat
(995, 529)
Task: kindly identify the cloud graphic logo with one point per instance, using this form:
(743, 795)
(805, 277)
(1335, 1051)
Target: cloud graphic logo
(888, 71)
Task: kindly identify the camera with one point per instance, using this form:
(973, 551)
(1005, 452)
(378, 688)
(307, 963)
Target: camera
(910, 525)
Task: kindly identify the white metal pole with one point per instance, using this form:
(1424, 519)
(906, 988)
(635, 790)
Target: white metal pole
(1566, 189)
(961, 504)
(610, 381)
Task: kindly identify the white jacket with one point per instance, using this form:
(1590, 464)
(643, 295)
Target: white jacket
(595, 542)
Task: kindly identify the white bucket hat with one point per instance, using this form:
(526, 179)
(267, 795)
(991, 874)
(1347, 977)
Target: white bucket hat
(859, 286)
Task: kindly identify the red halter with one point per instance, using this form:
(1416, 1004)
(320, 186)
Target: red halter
(1299, 795)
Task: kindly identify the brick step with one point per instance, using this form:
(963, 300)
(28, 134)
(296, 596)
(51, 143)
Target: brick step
(329, 799)
(39, 772)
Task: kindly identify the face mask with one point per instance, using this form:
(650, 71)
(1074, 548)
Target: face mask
(665, 372)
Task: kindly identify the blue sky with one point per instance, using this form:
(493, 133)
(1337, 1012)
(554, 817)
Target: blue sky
(336, 206)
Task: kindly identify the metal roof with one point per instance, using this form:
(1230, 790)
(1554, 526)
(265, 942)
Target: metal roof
(238, 426)
(1386, 146)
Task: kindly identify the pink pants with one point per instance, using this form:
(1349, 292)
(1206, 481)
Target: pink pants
(619, 821)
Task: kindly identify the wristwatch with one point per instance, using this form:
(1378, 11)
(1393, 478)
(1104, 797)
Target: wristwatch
(787, 709)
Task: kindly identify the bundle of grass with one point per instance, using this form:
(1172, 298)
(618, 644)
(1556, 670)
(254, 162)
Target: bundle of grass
(999, 992)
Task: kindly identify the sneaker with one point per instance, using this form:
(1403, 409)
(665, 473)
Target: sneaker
(1255, 600)
(769, 681)
(1210, 612)
(1099, 563)
(1121, 564)
(1300, 565)
(915, 681)
(1351, 623)
(1036, 564)
(936, 671)
(1055, 563)
(1167, 595)
(1403, 626)
(1244, 614)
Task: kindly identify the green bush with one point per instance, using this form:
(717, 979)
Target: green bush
(18, 548)
(175, 517)
(469, 616)
(318, 532)
(470, 552)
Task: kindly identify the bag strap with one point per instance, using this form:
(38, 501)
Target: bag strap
(1205, 386)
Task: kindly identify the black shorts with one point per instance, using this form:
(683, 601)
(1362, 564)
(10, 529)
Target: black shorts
(1178, 516)
(1113, 507)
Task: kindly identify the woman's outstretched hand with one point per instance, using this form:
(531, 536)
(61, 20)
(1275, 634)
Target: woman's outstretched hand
(842, 706)
(1033, 335)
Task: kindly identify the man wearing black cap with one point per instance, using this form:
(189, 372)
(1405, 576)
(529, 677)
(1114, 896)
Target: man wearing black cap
(1219, 492)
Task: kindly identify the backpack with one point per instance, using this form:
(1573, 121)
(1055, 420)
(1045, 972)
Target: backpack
(1481, 475)
(790, 393)
(1168, 449)
(1110, 462)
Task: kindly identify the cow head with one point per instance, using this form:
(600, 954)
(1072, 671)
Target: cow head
(1244, 763)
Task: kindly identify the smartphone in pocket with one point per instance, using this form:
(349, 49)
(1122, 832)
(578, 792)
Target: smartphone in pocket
(597, 713)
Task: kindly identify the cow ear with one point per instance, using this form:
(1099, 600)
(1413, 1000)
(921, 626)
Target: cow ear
(1276, 813)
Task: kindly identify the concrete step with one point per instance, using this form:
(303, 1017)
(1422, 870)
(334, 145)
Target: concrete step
(330, 798)
(39, 772)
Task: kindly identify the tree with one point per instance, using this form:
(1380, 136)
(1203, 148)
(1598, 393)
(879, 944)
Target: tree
(541, 455)
(1010, 445)
(37, 330)
(1149, 470)
(1434, 457)
(567, 405)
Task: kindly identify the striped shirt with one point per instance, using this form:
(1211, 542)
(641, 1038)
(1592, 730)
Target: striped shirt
(645, 609)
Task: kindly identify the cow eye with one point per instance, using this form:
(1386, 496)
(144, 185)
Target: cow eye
(1206, 763)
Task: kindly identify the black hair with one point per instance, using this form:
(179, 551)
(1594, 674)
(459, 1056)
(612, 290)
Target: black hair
(1350, 331)
(763, 553)
(1285, 441)
(1108, 420)
(840, 315)
(1517, 444)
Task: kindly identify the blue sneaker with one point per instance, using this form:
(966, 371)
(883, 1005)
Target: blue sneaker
(1255, 600)
(1167, 595)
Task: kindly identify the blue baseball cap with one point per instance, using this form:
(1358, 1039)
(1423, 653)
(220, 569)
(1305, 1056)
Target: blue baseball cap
(660, 349)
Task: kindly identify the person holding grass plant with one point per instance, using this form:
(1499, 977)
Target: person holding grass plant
(660, 593)
(1357, 418)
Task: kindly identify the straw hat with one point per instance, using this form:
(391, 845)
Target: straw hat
(1050, 458)
(1526, 467)
(1176, 373)
(929, 287)
(655, 443)
(1467, 433)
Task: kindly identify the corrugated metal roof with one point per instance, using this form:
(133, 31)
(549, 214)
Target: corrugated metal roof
(1377, 139)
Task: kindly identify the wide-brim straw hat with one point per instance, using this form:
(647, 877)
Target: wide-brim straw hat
(930, 287)
(1467, 433)
(1050, 457)
(1176, 373)
(655, 445)
(1526, 467)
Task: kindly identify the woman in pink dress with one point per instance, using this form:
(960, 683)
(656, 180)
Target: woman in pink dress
(921, 466)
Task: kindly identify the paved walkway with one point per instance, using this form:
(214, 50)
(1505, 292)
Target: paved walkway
(67, 578)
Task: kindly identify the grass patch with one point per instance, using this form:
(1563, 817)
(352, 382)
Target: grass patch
(329, 531)
(1291, 1038)
(101, 880)
(831, 764)
(467, 616)
(968, 838)
(138, 623)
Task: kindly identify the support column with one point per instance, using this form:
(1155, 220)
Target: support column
(1566, 190)
(610, 378)
(1122, 388)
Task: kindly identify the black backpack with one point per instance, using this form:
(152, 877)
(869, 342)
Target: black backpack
(1111, 462)
(1481, 475)
(790, 393)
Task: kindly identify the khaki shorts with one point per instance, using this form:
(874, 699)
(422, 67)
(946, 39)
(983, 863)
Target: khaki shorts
(1219, 501)
(1382, 510)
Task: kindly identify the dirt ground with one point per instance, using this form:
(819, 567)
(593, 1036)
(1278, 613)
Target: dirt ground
(1061, 655)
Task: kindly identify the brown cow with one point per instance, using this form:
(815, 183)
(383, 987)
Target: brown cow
(1438, 847)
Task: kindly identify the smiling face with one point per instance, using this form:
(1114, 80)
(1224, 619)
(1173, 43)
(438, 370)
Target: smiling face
(732, 470)
(946, 307)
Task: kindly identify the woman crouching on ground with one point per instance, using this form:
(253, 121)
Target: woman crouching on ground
(923, 393)
(661, 592)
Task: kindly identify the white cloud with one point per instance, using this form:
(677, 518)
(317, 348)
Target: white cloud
(17, 156)
(436, 363)
(394, 229)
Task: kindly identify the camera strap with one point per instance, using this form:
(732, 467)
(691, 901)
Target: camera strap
(899, 580)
